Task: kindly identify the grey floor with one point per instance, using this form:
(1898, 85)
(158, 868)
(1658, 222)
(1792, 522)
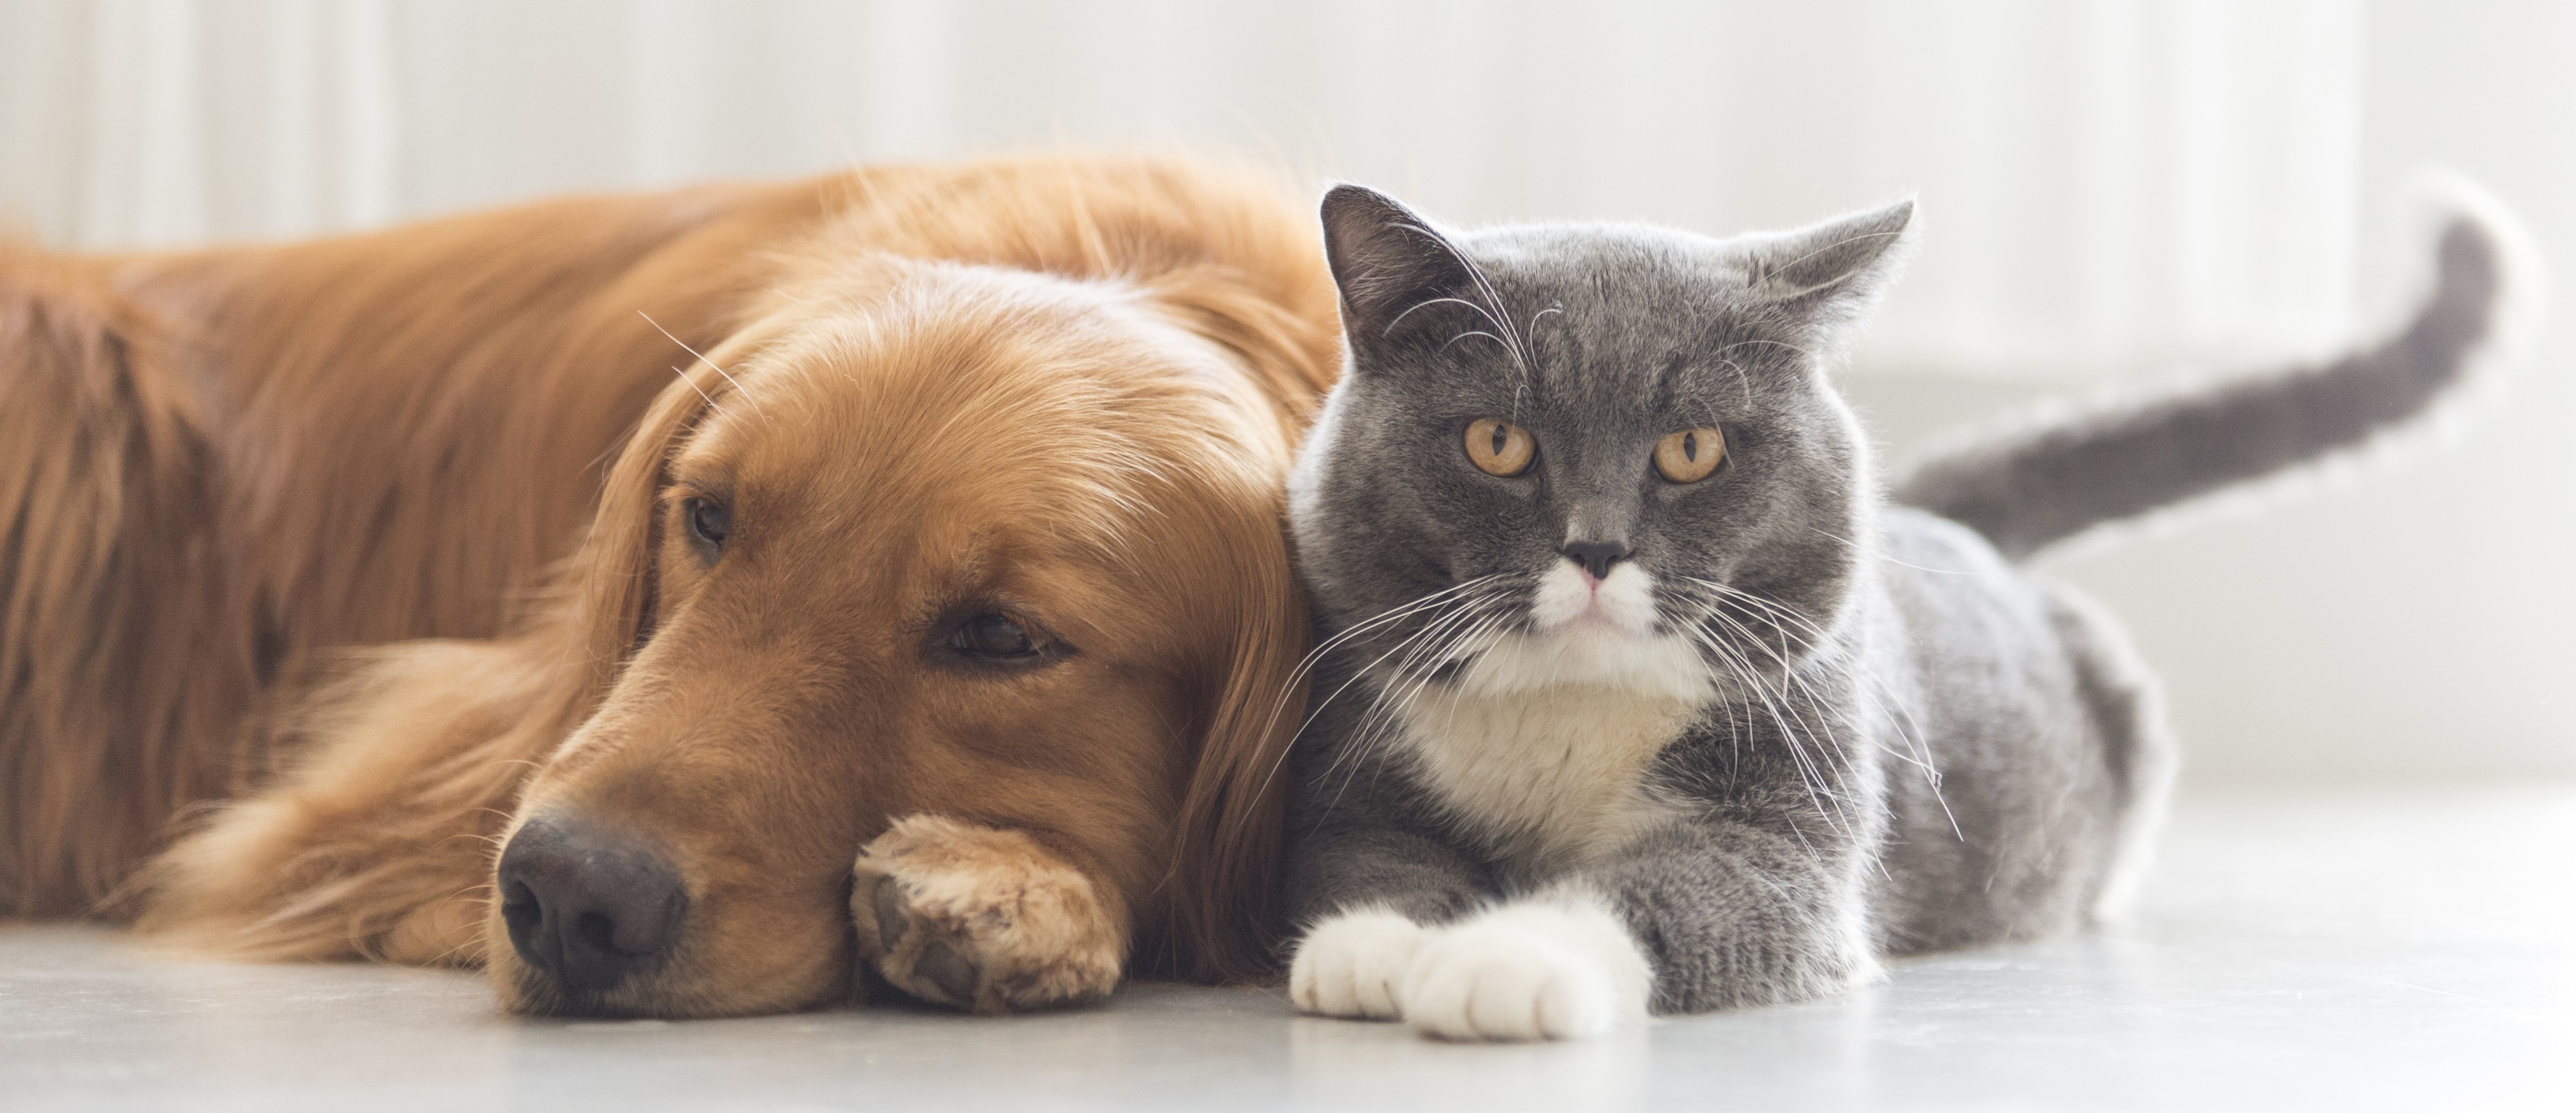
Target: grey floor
(2365, 947)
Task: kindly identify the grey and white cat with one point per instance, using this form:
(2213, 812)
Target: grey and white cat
(1639, 694)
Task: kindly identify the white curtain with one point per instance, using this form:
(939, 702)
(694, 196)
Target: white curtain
(2105, 185)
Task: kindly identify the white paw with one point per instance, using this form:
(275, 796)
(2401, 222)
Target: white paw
(1351, 963)
(1527, 972)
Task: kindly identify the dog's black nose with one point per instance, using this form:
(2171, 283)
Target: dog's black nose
(1596, 557)
(586, 904)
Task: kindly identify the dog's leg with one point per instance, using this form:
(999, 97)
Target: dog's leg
(379, 844)
(984, 918)
(295, 874)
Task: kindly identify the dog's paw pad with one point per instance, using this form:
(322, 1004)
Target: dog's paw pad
(1352, 964)
(942, 966)
(892, 920)
(982, 919)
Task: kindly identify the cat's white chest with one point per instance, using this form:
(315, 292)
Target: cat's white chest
(1551, 769)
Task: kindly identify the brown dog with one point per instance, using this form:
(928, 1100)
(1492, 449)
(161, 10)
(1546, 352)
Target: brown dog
(958, 551)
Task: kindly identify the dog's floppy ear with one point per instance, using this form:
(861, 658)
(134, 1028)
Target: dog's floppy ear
(612, 578)
(1226, 865)
(380, 841)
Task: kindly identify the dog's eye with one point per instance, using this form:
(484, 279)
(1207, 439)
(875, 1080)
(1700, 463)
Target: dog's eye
(708, 522)
(993, 635)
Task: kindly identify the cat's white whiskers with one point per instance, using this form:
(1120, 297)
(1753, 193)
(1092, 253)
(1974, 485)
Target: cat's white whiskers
(1407, 646)
(1493, 309)
(1743, 381)
(1869, 551)
(1306, 666)
(1796, 686)
(1480, 311)
(1455, 609)
(1380, 723)
(1773, 606)
(1899, 718)
(1812, 777)
(1393, 614)
(1468, 645)
(1427, 646)
(1887, 705)
(1788, 678)
(1438, 650)
(1793, 687)
(1810, 354)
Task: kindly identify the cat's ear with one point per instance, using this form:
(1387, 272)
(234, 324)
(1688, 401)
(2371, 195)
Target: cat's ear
(1386, 258)
(1838, 267)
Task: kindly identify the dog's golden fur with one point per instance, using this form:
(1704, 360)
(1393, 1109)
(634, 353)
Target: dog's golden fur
(1064, 389)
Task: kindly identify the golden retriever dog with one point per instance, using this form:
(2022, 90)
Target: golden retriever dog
(688, 604)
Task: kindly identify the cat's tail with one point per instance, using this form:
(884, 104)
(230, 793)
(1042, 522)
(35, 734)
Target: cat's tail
(2053, 476)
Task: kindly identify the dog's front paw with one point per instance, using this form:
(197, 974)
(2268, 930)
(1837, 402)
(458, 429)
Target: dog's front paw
(1527, 972)
(1350, 965)
(982, 918)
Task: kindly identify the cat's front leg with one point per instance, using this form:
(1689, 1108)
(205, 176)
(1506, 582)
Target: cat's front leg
(1738, 915)
(1555, 967)
(1369, 892)
(1352, 964)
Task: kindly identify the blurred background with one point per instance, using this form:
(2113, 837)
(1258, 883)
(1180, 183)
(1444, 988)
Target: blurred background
(2113, 192)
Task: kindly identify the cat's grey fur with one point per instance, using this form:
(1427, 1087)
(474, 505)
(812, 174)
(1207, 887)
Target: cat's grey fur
(1851, 728)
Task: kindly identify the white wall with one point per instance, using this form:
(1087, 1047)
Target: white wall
(2108, 187)
(2108, 183)
(2423, 620)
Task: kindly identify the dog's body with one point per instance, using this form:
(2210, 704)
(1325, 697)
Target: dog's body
(1054, 398)
(222, 462)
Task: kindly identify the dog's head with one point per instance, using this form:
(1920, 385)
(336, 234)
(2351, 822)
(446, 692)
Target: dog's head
(927, 538)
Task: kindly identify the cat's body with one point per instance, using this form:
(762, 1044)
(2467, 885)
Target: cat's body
(1602, 728)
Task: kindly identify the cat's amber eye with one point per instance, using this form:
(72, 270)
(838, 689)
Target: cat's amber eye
(1499, 447)
(1688, 456)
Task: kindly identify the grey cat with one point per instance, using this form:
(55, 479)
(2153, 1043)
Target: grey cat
(1639, 693)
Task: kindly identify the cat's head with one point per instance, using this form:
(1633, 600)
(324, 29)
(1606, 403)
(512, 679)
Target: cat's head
(1589, 454)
